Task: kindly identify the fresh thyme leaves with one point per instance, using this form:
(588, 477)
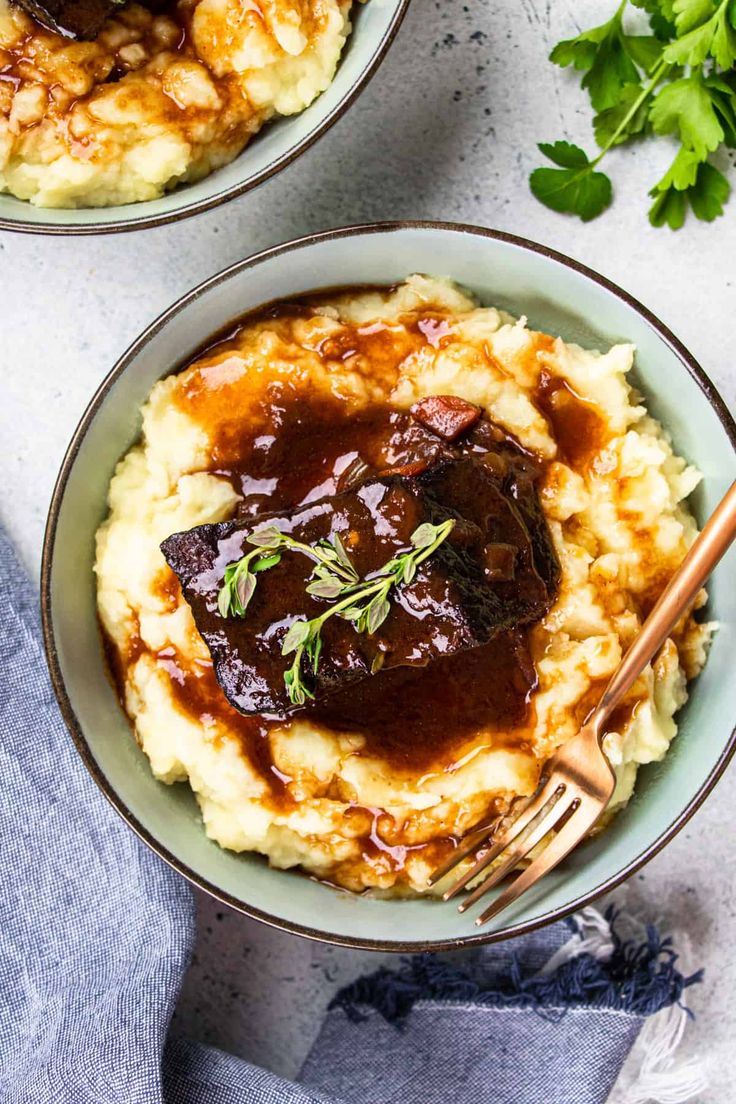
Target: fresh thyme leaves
(680, 81)
(239, 583)
(365, 603)
(333, 568)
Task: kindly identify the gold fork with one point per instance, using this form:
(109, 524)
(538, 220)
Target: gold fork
(577, 782)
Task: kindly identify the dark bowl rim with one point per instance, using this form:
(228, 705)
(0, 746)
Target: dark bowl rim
(147, 222)
(358, 943)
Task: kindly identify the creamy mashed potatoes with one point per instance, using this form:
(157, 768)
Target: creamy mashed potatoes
(156, 99)
(334, 801)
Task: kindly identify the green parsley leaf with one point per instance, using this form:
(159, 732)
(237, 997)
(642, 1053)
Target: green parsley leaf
(644, 50)
(669, 208)
(576, 190)
(661, 17)
(681, 174)
(723, 97)
(716, 37)
(698, 183)
(685, 107)
(691, 13)
(723, 47)
(607, 125)
(579, 52)
(709, 193)
(565, 154)
(680, 80)
(603, 52)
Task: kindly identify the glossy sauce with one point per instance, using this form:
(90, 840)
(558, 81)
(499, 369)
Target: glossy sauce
(197, 694)
(415, 718)
(575, 423)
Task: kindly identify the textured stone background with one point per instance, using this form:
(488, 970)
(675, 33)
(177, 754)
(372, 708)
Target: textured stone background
(446, 130)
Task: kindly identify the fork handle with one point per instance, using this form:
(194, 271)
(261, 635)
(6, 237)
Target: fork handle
(705, 552)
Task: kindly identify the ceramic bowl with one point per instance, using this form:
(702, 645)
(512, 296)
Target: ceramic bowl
(556, 294)
(277, 145)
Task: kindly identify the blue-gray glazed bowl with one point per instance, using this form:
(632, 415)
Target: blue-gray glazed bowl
(556, 294)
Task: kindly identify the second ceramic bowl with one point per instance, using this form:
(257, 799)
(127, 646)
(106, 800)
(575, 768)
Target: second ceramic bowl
(277, 145)
(557, 295)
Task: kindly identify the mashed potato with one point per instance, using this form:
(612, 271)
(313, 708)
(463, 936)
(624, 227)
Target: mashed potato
(613, 492)
(156, 99)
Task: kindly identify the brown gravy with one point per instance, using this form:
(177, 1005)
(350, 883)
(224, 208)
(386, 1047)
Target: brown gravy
(414, 718)
(198, 695)
(575, 423)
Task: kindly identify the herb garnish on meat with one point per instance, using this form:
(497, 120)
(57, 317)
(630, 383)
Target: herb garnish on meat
(333, 568)
(365, 602)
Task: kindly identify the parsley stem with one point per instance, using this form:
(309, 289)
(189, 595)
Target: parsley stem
(661, 70)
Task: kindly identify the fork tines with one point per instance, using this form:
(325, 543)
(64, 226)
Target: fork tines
(553, 806)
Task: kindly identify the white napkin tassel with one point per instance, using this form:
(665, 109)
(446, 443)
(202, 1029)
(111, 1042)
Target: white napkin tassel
(654, 1073)
(662, 1077)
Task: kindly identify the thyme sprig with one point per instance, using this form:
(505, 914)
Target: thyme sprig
(365, 602)
(239, 583)
(333, 568)
(366, 605)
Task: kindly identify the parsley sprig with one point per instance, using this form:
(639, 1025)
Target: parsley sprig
(366, 605)
(680, 80)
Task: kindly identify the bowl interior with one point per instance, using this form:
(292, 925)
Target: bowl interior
(502, 272)
(270, 150)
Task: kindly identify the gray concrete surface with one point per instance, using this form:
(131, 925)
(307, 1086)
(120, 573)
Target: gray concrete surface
(447, 129)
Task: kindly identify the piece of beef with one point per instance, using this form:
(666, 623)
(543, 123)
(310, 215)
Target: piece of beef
(455, 601)
(82, 19)
(446, 415)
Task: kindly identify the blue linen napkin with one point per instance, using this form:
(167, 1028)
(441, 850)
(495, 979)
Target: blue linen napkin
(96, 933)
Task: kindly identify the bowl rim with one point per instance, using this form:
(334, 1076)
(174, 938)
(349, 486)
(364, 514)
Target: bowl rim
(207, 203)
(358, 943)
